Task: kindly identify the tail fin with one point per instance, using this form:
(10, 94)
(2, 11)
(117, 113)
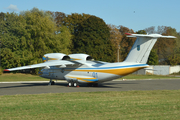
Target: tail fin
(141, 49)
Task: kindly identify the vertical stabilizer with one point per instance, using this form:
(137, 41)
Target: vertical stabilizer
(141, 49)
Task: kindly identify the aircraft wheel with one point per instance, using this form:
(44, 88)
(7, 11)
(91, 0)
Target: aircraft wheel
(52, 83)
(70, 84)
(76, 84)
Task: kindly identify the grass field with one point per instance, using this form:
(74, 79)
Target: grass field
(7, 77)
(156, 105)
(159, 104)
(28, 77)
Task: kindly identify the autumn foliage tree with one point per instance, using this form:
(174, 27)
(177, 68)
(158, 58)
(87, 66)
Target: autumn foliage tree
(174, 57)
(126, 42)
(58, 17)
(115, 37)
(87, 37)
(165, 47)
(74, 20)
(92, 37)
(28, 36)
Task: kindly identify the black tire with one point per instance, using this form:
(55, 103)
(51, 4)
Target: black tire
(52, 83)
(76, 84)
(70, 84)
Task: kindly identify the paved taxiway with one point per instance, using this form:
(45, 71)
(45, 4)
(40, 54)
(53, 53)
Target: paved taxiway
(61, 87)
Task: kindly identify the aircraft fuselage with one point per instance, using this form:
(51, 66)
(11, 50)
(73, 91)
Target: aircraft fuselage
(92, 73)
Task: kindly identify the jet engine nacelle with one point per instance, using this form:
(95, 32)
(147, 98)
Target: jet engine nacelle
(55, 56)
(80, 56)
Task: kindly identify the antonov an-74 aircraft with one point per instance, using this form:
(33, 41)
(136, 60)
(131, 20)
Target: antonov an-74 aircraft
(81, 68)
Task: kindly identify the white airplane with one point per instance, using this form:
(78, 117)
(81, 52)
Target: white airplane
(81, 68)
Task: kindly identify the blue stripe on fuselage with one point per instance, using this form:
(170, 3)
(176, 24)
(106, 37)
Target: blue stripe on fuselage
(114, 67)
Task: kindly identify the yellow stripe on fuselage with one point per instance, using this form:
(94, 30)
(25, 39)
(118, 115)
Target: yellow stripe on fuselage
(87, 81)
(83, 79)
(120, 71)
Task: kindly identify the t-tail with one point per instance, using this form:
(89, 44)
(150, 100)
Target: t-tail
(141, 49)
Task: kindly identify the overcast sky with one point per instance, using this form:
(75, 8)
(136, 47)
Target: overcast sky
(134, 14)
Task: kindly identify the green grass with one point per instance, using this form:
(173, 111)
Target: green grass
(156, 105)
(8, 77)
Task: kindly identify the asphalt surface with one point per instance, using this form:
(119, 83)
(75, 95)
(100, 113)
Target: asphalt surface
(14, 88)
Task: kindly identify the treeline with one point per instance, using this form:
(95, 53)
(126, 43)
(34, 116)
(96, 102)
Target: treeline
(27, 36)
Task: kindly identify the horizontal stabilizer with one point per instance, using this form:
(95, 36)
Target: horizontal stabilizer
(150, 35)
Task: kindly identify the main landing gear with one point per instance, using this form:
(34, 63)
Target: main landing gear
(72, 83)
(51, 82)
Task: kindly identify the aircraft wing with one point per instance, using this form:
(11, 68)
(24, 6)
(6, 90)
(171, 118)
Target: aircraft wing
(60, 63)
